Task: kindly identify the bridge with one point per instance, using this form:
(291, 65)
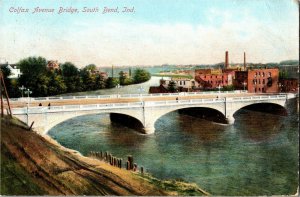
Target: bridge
(146, 111)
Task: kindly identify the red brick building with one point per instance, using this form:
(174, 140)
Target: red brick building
(288, 85)
(258, 80)
(213, 78)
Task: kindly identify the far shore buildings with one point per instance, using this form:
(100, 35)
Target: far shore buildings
(263, 80)
(253, 80)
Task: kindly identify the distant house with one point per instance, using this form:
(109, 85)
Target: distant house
(181, 83)
(104, 75)
(53, 65)
(158, 89)
(15, 72)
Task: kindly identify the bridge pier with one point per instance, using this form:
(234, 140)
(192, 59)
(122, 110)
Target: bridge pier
(149, 130)
(230, 119)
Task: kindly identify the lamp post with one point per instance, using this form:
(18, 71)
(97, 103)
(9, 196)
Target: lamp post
(28, 92)
(22, 89)
(219, 87)
(244, 83)
(118, 86)
(141, 89)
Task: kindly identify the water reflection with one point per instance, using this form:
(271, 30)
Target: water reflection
(258, 126)
(124, 136)
(257, 155)
(204, 130)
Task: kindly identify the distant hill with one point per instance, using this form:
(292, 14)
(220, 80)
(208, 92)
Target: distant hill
(289, 62)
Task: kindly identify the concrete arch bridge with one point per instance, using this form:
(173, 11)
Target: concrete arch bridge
(147, 112)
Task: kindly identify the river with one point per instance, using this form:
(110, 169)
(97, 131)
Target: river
(257, 155)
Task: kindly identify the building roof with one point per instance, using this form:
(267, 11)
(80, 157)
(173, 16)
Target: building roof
(158, 89)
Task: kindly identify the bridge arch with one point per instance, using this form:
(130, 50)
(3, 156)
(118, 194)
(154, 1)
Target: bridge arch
(46, 121)
(267, 106)
(157, 113)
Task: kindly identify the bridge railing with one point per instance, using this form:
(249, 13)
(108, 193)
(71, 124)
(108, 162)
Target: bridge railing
(24, 99)
(65, 108)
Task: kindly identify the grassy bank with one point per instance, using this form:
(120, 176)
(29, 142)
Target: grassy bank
(32, 164)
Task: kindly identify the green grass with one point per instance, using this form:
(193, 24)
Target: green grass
(15, 180)
(183, 189)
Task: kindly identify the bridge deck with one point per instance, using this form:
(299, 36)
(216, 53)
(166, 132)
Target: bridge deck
(86, 101)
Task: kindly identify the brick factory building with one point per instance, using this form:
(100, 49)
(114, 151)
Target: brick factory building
(212, 79)
(288, 85)
(258, 80)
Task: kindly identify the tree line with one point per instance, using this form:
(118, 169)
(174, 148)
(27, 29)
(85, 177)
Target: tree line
(67, 79)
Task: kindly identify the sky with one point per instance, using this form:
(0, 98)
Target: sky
(156, 32)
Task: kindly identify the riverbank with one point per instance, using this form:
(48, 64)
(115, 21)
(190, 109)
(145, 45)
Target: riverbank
(32, 164)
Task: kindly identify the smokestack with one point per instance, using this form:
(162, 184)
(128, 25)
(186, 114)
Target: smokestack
(244, 61)
(226, 60)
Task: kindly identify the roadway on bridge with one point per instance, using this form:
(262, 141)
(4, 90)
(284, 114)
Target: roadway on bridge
(86, 101)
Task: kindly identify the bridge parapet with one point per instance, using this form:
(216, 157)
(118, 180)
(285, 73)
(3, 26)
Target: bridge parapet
(124, 96)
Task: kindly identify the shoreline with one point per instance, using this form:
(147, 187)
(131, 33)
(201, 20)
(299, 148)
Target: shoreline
(48, 168)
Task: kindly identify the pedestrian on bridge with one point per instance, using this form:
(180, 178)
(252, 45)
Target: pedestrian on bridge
(40, 104)
(49, 105)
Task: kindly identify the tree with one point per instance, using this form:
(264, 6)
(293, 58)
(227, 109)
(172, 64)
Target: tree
(68, 69)
(8, 83)
(111, 82)
(56, 85)
(88, 80)
(122, 77)
(33, 76)
(71, 77)
(141, 75)
(90, 67)
(172, 86)
(100, 82)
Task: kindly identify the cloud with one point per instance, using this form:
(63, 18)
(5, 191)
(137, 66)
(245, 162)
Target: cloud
(137, 43)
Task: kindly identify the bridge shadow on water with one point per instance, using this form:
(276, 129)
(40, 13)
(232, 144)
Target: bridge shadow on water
(205, 125)
(260, 122)
(127, 121)
(126, 130)
(204, 113)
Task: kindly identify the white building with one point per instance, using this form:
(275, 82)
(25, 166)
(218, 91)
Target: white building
(14, 71)
(182, 82)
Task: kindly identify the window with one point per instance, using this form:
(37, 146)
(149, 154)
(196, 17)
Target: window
(263, 74)
(270, 74)
(263, 89)
(259, 81)
(269, 83)
(263, 81)
(259, 89)
(253, 81)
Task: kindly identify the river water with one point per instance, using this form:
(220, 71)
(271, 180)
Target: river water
(257, 155)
